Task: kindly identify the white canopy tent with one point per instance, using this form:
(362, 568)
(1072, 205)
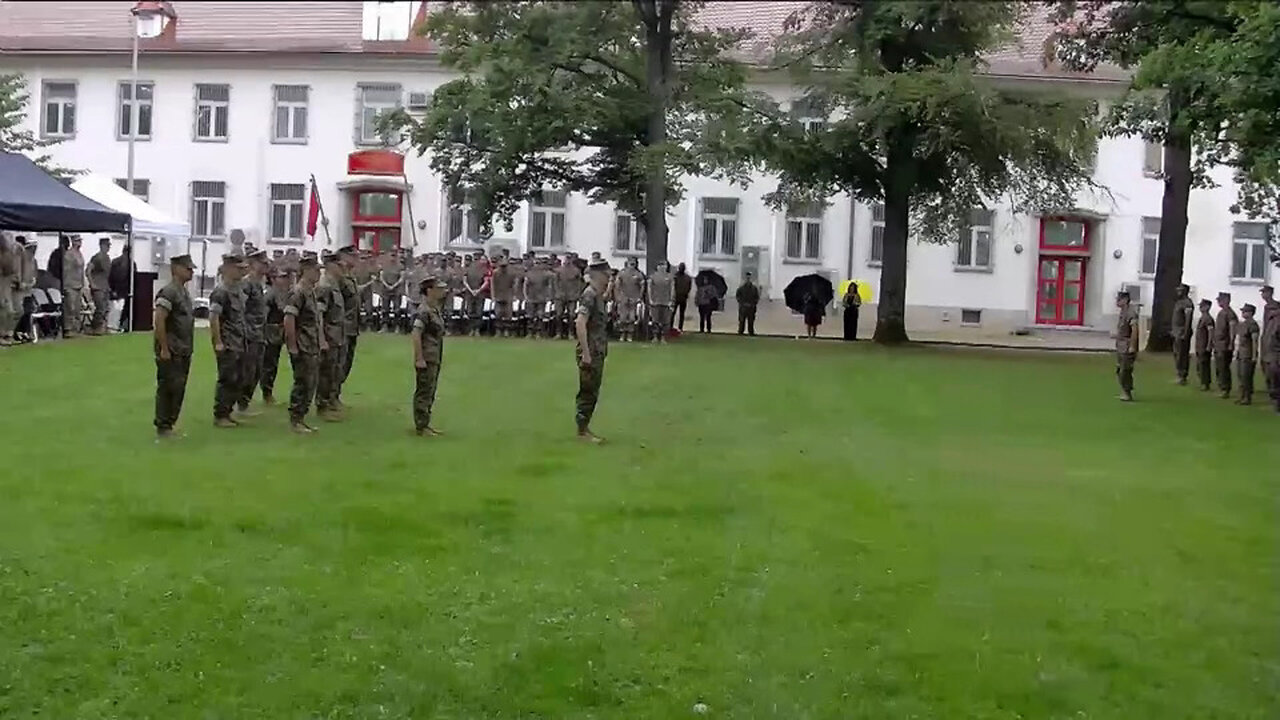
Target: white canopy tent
(147, 221)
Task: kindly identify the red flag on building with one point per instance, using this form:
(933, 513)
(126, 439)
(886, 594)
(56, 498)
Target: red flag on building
(313, 209)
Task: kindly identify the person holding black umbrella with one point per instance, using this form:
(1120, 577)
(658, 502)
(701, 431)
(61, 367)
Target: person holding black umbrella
(809, 295)
(706, 298)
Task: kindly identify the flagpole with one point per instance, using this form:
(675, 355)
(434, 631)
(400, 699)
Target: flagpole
(408, 201)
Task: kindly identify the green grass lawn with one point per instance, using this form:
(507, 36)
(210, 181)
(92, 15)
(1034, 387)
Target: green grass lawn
(776, 529)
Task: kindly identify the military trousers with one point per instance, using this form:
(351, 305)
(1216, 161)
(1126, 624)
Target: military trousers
(661, 315)
(328, 372)
(1275, 384)
(101, 306)
(627, 311)
(229, 386)
(306, 375)
(348, 359)
(1182, 356)
(270, 368)
(1124, 370)
(590, 377)
(1204, 369)
(426, 379)
(171, 389)
(250, 371)
(1223, 367)
(9, 305)
(747, 319)
(72, 311)
(1268, 369)
(1244, 372)
(565, 310)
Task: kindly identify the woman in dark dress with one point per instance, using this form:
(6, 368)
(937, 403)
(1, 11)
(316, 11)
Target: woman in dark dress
(852, 301)
(813, 312)
(706, 299)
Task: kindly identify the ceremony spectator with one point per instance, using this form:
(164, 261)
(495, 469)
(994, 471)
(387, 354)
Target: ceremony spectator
(851, 302)
(814, 310)
(706, 298)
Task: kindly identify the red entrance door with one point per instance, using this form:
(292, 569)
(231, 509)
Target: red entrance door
(377, 239)
(375, 220)
(1060, 291)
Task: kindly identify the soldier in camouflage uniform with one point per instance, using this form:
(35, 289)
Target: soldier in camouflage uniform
(174, 328)
(273, 333)
(255, 322)
(1272, 358)
(1126, 344)
(352, 299)
(1183, 315)
(1270, 316)
(305, 341)
(333, 315)
(1224, 335)
(1204, 345)
(537, 291)
(661, 293)
(568, 280)
(100, 287)
(503, 288)
(628, 292)
(1246, 353)
(593, 346)
(428, 353)
(227, 331)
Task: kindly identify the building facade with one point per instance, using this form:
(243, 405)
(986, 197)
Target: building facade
(234, 122)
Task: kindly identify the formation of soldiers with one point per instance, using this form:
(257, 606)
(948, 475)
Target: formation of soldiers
(1226, 345)
(260, 308)
(503, 296)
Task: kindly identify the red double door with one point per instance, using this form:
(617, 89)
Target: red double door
(1060, 290)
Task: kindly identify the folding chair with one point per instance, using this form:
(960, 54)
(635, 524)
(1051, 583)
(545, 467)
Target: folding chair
(47, 315)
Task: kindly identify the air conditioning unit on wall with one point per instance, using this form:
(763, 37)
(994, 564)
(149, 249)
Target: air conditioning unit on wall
(419, 100)
(1135, 292)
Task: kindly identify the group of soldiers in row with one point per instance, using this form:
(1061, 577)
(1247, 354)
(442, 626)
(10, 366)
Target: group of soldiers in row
(79, 280)
(1225, 344)
(531, 296)
(260, 308)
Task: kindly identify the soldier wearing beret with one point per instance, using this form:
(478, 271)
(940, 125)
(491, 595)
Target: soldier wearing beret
(174, 330)
(227, 331)
(591, 325)
(428, 353)
(304, 339)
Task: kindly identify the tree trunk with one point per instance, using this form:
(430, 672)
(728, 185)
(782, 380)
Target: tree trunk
(657, 17)
(891, 311)
(1173, 232)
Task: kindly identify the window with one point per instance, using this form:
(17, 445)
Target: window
(371, 101)
(289, 121)
(719, 227)
(213, 103)
(1064, 234)
(59, 110)
(628, 234)
(804, 231)
(141, 187)
(286, 212)
(876, 256)
(464, 223)
(546, 219)
(1150, 245)
(208, 209)
(1249, 251)
(809, 113)
(127, 100)
(1152, 159)
(973, 252)
(970, 317)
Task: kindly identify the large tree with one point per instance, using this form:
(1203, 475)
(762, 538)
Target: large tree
(616, 100)
(13, 136)
(914, 124)
(1173, 100)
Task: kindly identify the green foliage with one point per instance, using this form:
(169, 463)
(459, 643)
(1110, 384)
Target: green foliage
(557, 95)
(15, 138)
(906, 78)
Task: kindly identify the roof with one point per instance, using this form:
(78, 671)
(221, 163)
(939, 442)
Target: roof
(30, 199)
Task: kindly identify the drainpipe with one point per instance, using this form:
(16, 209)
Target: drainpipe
(853, 215)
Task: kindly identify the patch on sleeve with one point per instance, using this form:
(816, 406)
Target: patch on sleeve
(215, 308)
(290, 310)
(163, 302)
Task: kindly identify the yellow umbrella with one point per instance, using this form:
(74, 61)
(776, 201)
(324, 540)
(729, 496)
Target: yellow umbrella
(864, 289)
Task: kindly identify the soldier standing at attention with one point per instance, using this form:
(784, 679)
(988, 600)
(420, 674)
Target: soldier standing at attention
(1126, 344)
(351, 302)
(428, 353)
(255, 322)
(72, 289)
(100, 286)
(1272, 357)
(305, 341)
(227, 331)
(683, 285)
(391, 283)
(629, 292)
(273, 334)
(1246, 353)
(569, 287)
(174, 327)
(661, 292)
(332, 319)
(748, 297)
(591, 325)
(503, 286)
(1183, 314)
(1224, 334)
(10, 299)
(1270, 316)
(534, 293)
(1204, 345)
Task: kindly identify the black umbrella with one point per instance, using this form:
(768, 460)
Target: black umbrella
(805, 285)
(716, 280)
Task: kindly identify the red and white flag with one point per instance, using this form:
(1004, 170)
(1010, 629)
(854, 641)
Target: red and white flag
(313, 210)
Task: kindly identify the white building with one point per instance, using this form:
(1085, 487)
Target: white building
(241, 103)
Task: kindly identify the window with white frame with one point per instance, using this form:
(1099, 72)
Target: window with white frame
(289, 116)
(59, 104)
(372, 101)
(1249, 251)
(464, 223)
(141, 187)
(804, 231)
(213, 105)
(287, 207)
(628, 234)
(1150, 245)
(809, 113)
(876, 254)
(208, 209)
(1152, 159)
(546, 219)
(973, 251)
(719, 227)
(127, 98)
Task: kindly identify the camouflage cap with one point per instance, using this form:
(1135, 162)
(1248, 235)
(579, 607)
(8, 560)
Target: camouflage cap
(183, 260)
(1248, 308)
(428, 282)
